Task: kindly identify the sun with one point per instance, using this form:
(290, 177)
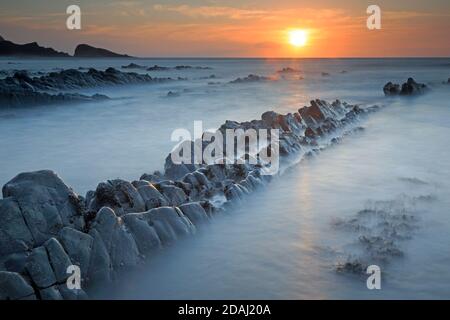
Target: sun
(298, 37)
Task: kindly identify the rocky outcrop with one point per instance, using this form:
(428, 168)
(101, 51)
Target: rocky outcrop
(410, 87)
(46, 227)
(133, 66)
(23, 90)
(87, 51)
(250, 78)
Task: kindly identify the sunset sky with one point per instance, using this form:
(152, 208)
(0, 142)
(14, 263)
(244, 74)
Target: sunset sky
(216, 28)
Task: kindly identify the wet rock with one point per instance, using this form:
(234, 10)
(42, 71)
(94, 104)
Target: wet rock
(143, 233)
(14, 233)
(39, 268)
(100, 268)
(118, 241)
(157, 68)
(78, 246)
(51, 293)
(16, 262)
(169, 223)
(151, 196)
(195, 212)
(391, 88)
(124, 251)
(410, 87)
(14, 287)
(119, 195)
(58, 258)
(250, 78)
(46, 202)
(133, 66)
(352, 266)
(175, 195)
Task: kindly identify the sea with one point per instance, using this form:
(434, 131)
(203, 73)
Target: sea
(379, 197)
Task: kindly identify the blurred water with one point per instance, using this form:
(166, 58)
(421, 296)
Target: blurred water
(281, 243)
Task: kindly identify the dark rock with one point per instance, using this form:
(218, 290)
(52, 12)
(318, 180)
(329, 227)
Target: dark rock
(143, 233)
(410, 87)
(195, 212)
(151, 196)
(249, 78)
(14, 233)
(157, 68)
(169, 223)
(39, 268)
(119, 195)
(58, 258)
(51, 293)
(46, 202)
(133, 66)
(78, 246)
(118, 240)
(100, 267)
(16, 262)
(87, 51)
(175, 195)
(14, 287)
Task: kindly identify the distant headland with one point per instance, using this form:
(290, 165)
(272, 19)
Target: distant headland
(33, 49)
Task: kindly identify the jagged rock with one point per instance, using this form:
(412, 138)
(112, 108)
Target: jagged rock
(118, 241)
(169, 223)
(14, 233)
(143, 233)
(51, 293)
(105, 222)
(78, 246)
(157, 68)
(152, 178)
(58, 258)
(175, 195)
(151, 196)
(391, 88)
(14, 287)
(46, 203)
(100, 268)
(124, 251)
(39, 268)
(249, 78)
(119, 195)
(410, 87)
(16, 262)
(133, 66)
(195, 212)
